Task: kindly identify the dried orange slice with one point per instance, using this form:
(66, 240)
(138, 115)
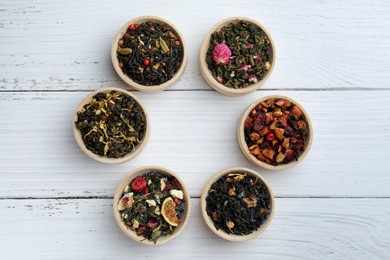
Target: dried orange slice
(169, 212)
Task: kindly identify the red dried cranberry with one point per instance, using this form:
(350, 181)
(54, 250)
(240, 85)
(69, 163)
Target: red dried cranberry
(138, 184)
(289, 154)
(270, 136)
(258, 122)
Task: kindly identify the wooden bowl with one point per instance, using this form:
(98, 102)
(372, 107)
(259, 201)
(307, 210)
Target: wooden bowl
(244, 147)
(132, 234)
(103, 159)
(126, 78)
(209, 221)
(207, 75)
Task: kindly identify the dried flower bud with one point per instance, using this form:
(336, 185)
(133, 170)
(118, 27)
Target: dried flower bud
(221, 54)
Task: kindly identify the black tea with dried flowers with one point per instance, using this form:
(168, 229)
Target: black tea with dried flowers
(112, 124)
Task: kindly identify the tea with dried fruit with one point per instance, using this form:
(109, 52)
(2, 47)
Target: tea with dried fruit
(238, 203)
(239, 54)
(152, 205)
(112, 124)
(150, 53)
(276, 131)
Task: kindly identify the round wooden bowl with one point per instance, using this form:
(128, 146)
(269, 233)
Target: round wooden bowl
(128, 80)
(132, 234)
(207, 75)
(209, 221)
(244, 146)
(103, 159)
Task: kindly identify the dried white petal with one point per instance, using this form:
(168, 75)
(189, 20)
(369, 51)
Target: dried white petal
(151, 203)
(178, 194)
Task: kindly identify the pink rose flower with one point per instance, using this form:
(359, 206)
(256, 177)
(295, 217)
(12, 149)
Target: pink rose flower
(257, 58)
(253, 78)
(221, 54)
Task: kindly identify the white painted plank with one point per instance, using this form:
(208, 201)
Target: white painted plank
(194, 134)
(301, 229)
(65, 45)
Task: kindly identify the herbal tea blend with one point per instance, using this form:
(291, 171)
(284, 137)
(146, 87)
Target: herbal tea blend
(112, 124)
(239, 54)
(152, 205)
(276, 131)
(150, 53)
(238, 203)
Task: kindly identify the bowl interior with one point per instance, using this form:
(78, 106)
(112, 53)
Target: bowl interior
(126, 78)
(209, 221)
(132, 234)
(244, 147)
(103, 159)
(207, 73)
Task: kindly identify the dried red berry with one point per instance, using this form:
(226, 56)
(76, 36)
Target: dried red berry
(270, 136)
(146, 62)
(177, 43)
(177, 201)
(132, 27)
(289, 154)
(141, 229)
(136, 25)
(138, 184)
(258, 122)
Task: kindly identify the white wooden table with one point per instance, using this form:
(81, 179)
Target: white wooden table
(332, 56)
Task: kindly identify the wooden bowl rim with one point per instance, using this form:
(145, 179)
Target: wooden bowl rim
(206, 72)
(103, 159)
(118, 194)
(244, 146)
(127, 79)
(220, 232)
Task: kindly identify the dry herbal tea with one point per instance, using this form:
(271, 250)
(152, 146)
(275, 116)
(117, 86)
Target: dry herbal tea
(238, 203)
(112, 124)
(276, 131)
(150, 53)
(239, 54)
(152, 205)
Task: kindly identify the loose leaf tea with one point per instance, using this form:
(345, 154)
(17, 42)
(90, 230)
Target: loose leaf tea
(150, 53)
(276, 131)
(152, 205)
(238, 203)
(112, 124)
(239, 54)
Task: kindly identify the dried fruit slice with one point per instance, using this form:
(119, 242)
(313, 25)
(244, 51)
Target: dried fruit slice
(169, 212)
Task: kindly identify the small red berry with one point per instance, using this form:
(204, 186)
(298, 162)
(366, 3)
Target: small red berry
(127, 35)
(136, 25)
(120, 42)
(141, 229)
(150, 23)
(138, 184)
(132, 27)
(146, 62)
(289, 154)
(177, 43)
(177, 201)
(270, 136)
(121, 65)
